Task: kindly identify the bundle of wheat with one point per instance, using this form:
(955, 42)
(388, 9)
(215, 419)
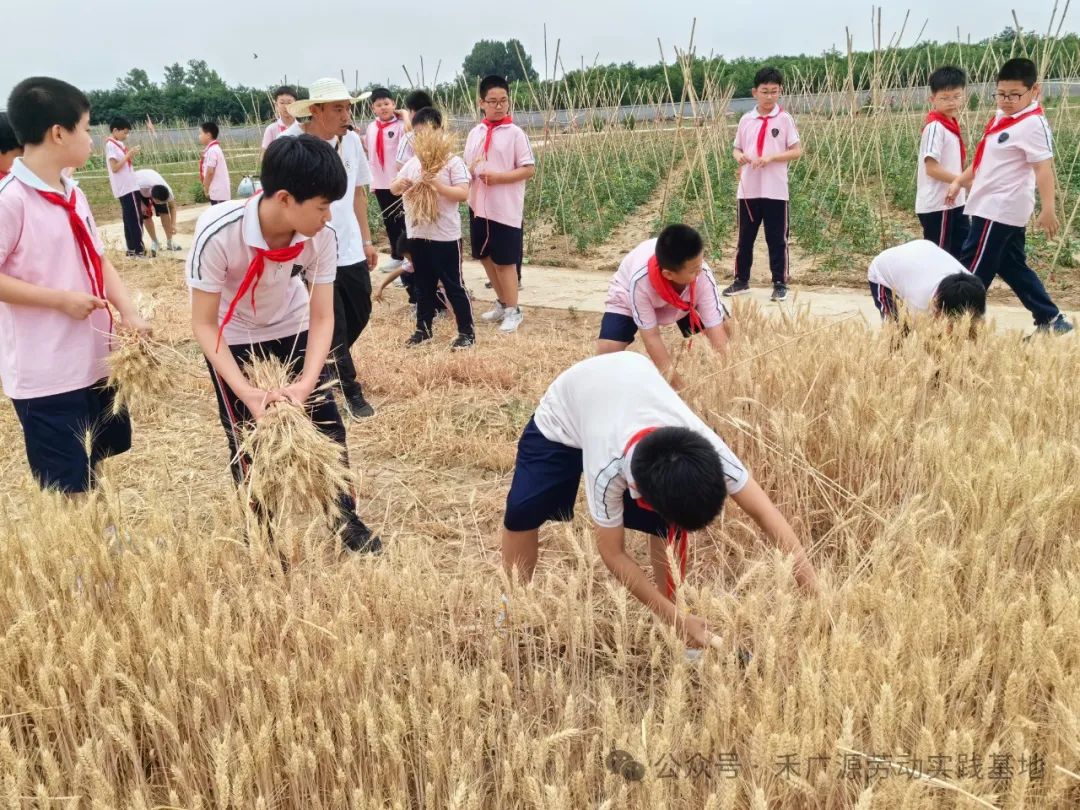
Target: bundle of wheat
(137, 374)
(295, 468)
(434, 148)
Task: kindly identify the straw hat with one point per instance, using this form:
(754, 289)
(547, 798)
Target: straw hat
(324, 91)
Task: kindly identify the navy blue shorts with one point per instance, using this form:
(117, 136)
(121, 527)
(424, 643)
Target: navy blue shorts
(545, 486)
(55, 431)
(621, 328)
(503, 243)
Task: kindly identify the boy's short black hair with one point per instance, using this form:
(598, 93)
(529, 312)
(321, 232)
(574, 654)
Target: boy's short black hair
(491, 82)
(284, 90)
(768, 75)
(676, 245)
(417, 100)
(210, 128)
(118, 123)
(1019, 70)
(306, 167)
(40, 103)
(160, 193)
(403, 246)
(380, 93)
(960, 294)
(680, 475)
(947, 77)
(9, 141)
(429, 116)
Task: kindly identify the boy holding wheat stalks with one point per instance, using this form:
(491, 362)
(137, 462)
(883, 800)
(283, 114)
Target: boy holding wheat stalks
(651, 465)
(432, 185)
(498, 154)
(249, 301)
(663, 281)
(56, 288)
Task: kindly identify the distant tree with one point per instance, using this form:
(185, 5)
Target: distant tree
(507, 59)
(200, 75)
(175, 75)
(136, 81)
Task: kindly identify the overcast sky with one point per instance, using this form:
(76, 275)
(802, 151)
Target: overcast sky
(92, 44)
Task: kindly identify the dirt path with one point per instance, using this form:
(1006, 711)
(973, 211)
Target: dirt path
(584, 289)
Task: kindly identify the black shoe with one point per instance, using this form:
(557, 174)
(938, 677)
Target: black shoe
(738, 288)
(357, 406)
(487, 285)
(418, 337)
(779, 292)
(463, 342)
(355, 536)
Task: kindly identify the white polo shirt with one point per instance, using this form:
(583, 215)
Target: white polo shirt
(598, 405)
(226, 236)
(147, 179)
(1004, 186)
(913, 271)
(343, 216)
(122, 182)
(944, 147)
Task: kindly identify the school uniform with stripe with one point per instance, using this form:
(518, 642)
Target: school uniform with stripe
(943, 224)
(1001, 203)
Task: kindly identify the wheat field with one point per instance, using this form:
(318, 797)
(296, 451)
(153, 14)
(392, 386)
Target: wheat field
(170, 664)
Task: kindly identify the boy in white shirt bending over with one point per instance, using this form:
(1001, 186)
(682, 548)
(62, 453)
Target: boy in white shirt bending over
(650, 465)
(927, 279)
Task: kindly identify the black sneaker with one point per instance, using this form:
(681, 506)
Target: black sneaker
(487, 285)
(355, 536)
(738, 288)
(779, 292)
(463, 342)
(418, 337)
(357, 406)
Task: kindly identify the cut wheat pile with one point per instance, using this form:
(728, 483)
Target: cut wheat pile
(433, 148)
(936, 492)
(138, 374)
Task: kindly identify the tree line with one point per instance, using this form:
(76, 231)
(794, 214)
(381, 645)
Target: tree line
(195, 92)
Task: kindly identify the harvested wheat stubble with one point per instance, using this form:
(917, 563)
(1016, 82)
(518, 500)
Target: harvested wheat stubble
(140, 378)
(935, 491)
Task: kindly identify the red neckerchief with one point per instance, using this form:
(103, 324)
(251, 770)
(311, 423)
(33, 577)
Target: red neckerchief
(254, 275)
(91, 259)
(764, 119)
(122, 147)
(491, 125)
(281, 126)
(668, 292)
(953, 126)
(992, 129)
(202, 158)
(380, 149)
(3, 175)
(680, 538)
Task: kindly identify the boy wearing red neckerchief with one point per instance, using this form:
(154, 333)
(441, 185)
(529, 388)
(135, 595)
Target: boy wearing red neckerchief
(765, 142)
(381, 141)
(56, 289)
(663, 281)
(650, 464)
(942, 154)
(498, 154)
(249, 271)
(120, 161)
(213, 171)
(283, 97)
(1014, 157)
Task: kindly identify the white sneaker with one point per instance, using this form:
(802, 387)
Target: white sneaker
(173, 246)
(512, 320)
(388, 266)
(495, 315)
(155, 247)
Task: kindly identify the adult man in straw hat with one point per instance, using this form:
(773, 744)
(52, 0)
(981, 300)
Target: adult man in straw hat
(330, 111)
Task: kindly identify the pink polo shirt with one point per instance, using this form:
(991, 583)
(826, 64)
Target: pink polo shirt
(225, 240)
(383, 174)
(273, 132)
(1004, 186)
(631, 293)
(220, 187)
(122, 182)
(509, 150)
(770, 181)
(447, 227)
(43, 351)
